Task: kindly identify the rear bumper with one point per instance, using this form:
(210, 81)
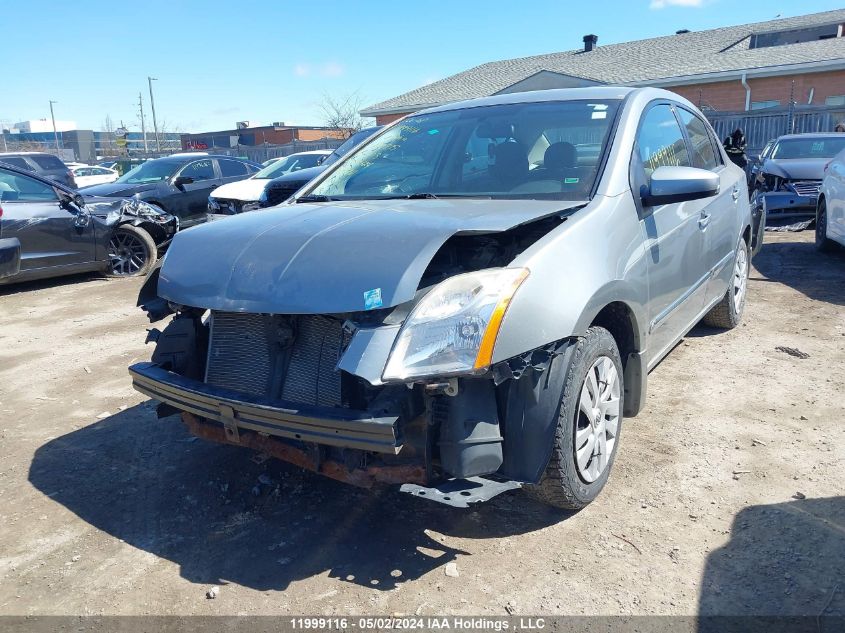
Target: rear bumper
(785, 205)
(322, 425)
(10, 256)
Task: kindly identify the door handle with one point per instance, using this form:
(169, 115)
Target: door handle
(735, 194)
(704, 220)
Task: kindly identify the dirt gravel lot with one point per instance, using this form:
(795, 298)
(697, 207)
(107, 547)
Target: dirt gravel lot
(726, 497)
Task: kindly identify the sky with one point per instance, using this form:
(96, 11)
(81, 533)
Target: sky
(220, 62)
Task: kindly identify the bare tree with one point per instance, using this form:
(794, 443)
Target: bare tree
(108, 147)
(343, 113)
(166, 128)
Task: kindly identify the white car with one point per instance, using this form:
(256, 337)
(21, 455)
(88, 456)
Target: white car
(85, 176)
(237, 197)
(830, 211)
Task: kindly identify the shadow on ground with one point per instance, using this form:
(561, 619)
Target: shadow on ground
(786, 559)
(202, 506)
(801, 266)
(52, 282)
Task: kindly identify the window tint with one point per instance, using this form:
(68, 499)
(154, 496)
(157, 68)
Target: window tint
(16, 161)
(702, 148)
(199, 170)
(15, 187)
(660, 141)
(232, 168)
(46, 161)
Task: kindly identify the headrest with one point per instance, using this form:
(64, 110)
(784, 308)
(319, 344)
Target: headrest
(560, 155)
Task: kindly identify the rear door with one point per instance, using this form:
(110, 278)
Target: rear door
(719, 215)
(674, 242)
(46, 227)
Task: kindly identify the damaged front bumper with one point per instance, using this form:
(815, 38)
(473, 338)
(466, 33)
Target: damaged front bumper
(781, 207)
(321, 425)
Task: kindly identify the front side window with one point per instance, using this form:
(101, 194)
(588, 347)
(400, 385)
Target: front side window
(703, 155)
(231, 168)
(199, 170)
(18, 188)
(545, 150)
(660, 142)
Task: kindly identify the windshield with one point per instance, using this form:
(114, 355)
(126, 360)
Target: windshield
(353, 141)
(813, 147)
(548, 150)
(294, 162)
(151, 171)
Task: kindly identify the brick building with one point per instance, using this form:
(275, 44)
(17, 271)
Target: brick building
(276, 134)
(747, 67)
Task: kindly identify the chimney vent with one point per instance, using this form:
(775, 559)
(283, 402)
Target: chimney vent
(590, 42)
(682, 31)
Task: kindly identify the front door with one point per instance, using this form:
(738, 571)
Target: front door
(190, 202)
(674, 240)
(51, 231)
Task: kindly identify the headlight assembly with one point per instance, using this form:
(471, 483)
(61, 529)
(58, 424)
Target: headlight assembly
(453, 329)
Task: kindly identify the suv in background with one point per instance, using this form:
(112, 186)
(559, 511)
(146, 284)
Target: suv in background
(42, 164)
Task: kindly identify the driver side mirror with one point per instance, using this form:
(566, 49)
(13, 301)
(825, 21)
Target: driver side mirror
(679, 184)
(180, 181)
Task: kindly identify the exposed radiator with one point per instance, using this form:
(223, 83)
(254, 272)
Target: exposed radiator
(288, 358)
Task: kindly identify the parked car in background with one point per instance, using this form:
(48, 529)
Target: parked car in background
(405, 319)
(830, 211)
(178, 184)
(42, 164)
(86, 175)
(59, 231)
(122, 165)
(283, 187)
(786, 187)
(243, 195)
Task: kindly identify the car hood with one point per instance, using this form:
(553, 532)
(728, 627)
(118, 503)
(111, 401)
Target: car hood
(117, 189)
(796, 168)
(325, 258)
(246, 190)
(303, 175)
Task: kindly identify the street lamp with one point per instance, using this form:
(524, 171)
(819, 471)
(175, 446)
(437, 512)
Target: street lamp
(55, 133)
(150, 81)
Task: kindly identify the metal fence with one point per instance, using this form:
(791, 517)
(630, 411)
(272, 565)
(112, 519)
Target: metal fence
(260, 153)
(761, 126)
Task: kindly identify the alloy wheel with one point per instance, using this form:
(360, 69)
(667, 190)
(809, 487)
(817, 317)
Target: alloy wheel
(597, 419)
(127, 253)
(740, 277)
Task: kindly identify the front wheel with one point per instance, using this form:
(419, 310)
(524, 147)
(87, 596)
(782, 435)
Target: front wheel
(822, 242)
(132, 252)
(728, 312)
(588, 425)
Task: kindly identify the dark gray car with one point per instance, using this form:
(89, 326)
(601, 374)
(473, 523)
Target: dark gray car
(42, 164)
(467, 303)
(48, 230)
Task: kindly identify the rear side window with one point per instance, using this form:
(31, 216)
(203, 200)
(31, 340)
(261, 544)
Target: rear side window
(660, 141)
(46, 161)
(231, 168)
(16, 161)
(703, 155)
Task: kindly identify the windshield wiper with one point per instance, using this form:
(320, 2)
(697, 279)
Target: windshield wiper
(420, 196)
(315, 199)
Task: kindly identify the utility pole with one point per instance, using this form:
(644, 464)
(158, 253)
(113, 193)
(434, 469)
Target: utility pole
(150, 81)
(143, 127)
(55, 133)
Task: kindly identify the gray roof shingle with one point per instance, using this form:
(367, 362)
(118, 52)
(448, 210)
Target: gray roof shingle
(659, 58)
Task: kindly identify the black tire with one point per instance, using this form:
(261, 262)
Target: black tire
(824, 244)
(562, 486)
(727, 314)
(131, 251)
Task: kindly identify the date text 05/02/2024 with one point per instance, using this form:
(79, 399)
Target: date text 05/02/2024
(417, 623)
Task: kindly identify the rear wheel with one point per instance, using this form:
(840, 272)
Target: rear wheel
(132, 252)
(728, 312)
(588, 425)
(822, 242)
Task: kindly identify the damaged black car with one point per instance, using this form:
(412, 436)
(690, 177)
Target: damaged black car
(786, 184)
(58, 231)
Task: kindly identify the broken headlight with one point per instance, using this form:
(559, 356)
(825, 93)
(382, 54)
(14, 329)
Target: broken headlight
(453, 329)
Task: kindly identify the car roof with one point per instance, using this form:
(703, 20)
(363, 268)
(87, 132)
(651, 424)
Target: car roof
(27, 154)
(186, 158)
(309, 152)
